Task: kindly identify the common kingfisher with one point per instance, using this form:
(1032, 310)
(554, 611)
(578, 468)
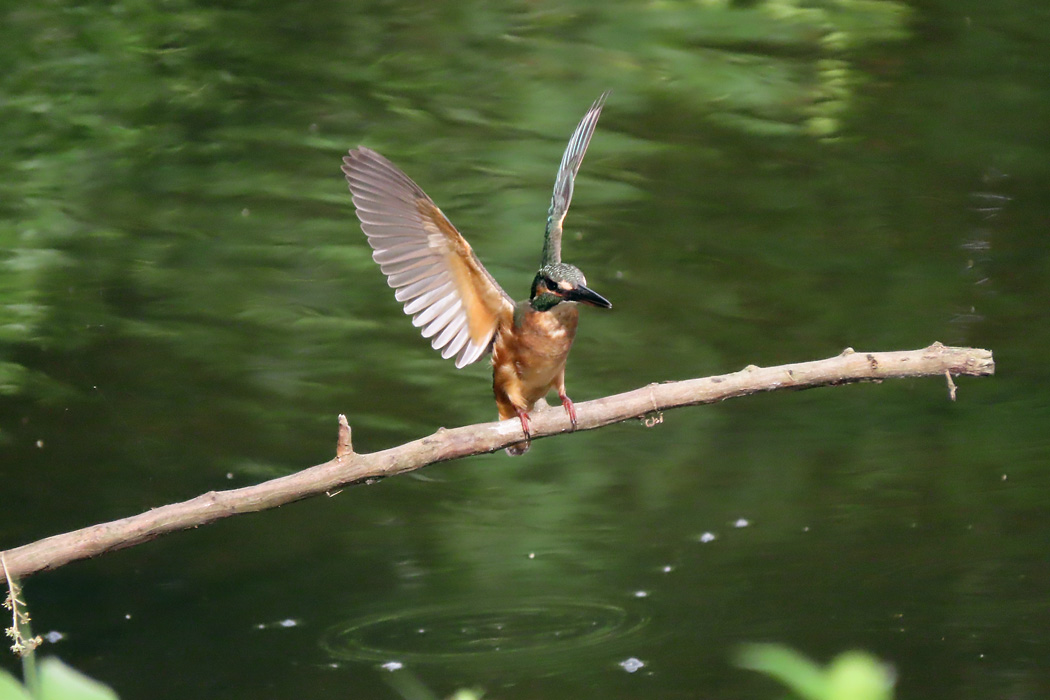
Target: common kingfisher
(455, 300)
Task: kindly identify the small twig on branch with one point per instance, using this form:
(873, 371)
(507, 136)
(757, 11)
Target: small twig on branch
(343, 448)
(349, 467)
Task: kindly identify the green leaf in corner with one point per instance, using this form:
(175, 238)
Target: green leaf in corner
(794, 670)
(60, 682)
(854, 675)
(11, 689)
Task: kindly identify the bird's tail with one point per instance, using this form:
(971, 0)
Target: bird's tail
(519, 449)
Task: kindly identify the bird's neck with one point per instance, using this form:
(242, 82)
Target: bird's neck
(545, 301)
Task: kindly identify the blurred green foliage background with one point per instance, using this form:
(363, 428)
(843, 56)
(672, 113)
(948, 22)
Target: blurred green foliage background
(187, 302)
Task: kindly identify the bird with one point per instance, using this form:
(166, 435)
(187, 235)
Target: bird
(456, 302)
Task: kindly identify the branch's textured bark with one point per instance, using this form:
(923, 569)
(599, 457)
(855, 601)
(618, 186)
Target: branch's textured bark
(349, 467)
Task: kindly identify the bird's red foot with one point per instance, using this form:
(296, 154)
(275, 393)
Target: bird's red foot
(566, 403)
(525, 427)
(522, 447)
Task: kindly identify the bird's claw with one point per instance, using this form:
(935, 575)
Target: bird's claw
(566, 403)
(525, 428)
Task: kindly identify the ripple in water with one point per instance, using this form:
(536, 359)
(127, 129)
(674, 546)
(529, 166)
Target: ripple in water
(539, 631)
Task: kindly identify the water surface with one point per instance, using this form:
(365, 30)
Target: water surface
(187, 303)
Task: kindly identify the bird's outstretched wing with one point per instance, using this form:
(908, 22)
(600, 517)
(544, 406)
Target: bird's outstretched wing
(435, 273)
(563, 184)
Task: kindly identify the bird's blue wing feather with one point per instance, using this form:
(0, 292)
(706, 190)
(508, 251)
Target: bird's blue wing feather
(564, 182)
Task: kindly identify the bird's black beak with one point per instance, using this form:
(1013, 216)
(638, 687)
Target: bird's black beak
(588, 296)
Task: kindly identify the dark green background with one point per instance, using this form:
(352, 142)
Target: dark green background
(187, 302)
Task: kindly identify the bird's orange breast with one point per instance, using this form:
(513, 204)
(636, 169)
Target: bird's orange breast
(528, 358)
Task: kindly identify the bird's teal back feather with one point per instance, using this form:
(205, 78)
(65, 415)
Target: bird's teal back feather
(564, 182)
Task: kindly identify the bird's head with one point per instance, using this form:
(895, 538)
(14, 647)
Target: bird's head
(558, 282)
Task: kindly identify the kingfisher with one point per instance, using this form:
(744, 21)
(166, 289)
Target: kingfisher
(453, 298)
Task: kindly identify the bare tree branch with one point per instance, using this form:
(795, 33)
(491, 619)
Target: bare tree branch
(349, 467)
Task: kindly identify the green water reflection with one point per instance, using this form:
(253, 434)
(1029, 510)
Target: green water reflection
(187, 302)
